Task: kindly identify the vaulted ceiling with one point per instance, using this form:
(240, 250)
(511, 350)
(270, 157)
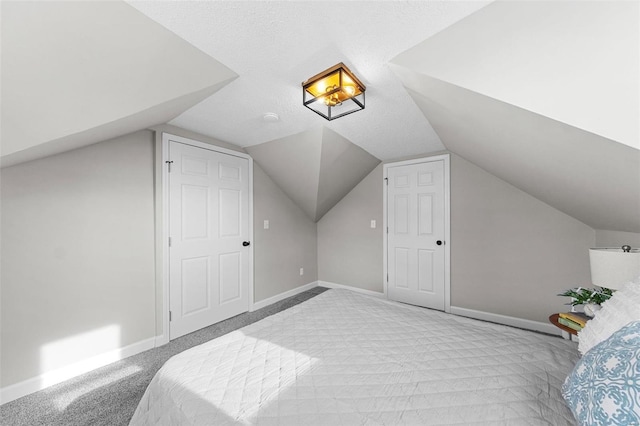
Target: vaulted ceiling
(276, 45)
(546, 96)
(76, 73)
(542, 94)
(321, 167)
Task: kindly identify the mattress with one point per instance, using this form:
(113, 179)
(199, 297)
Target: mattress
(342, 358)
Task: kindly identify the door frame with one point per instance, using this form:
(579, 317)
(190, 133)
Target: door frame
(447, 222)
(162, 227)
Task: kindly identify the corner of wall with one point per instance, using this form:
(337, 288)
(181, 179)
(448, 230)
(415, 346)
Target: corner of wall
(286, 253)
(349, 249)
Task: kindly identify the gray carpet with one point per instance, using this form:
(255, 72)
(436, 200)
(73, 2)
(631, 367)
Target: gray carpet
(110, 395)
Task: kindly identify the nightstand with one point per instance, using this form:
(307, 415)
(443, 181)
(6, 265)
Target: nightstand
(567, 333)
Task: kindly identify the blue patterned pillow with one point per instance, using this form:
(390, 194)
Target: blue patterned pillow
(604, 386)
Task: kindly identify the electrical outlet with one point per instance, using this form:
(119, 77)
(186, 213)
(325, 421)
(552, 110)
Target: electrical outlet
(266, 224)
(301, 271)
(373, 223)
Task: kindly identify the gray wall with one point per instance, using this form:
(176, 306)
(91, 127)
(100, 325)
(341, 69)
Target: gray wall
(617, 238)
(289, 244)
(78, 240)
(280, 251)
(349, 250)
(78, 249)
(77, 267)
(510, 253)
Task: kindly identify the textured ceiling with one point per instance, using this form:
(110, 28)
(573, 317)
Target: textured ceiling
(274, 46)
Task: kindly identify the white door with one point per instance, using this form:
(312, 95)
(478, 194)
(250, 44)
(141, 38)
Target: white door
(208, 224)
(416, 213)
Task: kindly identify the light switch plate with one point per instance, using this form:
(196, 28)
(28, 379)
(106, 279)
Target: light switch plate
(266, 224)
(373, 223)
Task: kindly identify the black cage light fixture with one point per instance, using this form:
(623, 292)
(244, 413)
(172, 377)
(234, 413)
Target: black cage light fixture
(334, 92)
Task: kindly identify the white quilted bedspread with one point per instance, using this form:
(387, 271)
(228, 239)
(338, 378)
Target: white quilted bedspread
(342, 358)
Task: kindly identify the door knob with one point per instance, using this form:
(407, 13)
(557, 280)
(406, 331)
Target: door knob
(245, 243)
(439, 242)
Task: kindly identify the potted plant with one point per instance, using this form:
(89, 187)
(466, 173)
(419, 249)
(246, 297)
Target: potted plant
(589, 298)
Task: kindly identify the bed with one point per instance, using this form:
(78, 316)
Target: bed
(343, 358)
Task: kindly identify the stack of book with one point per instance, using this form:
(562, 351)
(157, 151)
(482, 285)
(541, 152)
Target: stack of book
(573, 320)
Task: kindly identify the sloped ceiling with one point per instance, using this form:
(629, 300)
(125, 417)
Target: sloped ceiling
(75, 73)
(588, 177)
(90, 71)
(275, 45)
(544, 95)
(316, 168)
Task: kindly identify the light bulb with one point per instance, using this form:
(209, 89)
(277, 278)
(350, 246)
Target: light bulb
(333, 99)
(349, 90)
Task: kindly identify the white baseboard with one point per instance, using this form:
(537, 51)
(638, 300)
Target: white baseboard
(507, 320)
(348, 287)
(485, 316)
(161, 340)
(50, 378)
(278, 297)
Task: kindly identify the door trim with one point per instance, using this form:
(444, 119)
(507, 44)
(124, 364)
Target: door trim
(447, 222)
(162, 228)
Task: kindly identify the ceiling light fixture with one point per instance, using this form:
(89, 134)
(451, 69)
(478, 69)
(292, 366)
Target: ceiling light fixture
(334, 92)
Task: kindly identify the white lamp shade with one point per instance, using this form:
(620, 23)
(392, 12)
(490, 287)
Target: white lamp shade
(611, 267)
